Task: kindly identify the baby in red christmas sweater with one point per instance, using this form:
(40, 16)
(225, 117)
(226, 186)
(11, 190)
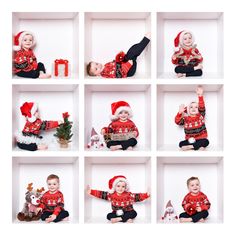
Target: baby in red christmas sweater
(193, 120)
(52, 202)
(121, 199)
(187, 57)
(123, 66)
(195, 203)
(25, 63)
(122, 131)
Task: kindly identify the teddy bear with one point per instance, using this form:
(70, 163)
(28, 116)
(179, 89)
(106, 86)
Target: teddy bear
(32, 200)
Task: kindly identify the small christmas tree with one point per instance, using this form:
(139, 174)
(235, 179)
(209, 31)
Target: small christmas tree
(63, 132)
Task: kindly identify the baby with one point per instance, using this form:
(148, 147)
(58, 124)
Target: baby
(195, 203)
(187, 57)
(121, 199)
(193, 120)
(24, 62)
(30, 139)
(123, 66)
(52, 202)
(122, 131)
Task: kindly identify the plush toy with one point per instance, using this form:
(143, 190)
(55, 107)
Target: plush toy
(32, 198)
(169, 215)
(95, 140)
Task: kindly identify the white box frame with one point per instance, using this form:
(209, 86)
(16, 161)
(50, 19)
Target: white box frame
(98, 171)
(172, 175)
(205, 27)
(52, 100)
(169, 97)
(36, 169)
(106, 34)
(100, 97)
(57, 37)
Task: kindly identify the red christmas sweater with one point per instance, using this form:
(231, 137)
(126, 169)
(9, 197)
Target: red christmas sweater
(38, 125)
(194, 126)
(123, 202)
(117, 68)
(24, 61)
(52, 202)
(119, 127)
(190, 202)
(187, 57)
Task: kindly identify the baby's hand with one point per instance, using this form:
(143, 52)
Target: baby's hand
(181, 108)
(88, 189)
(198, 209)
(199, 91)
(38, 209)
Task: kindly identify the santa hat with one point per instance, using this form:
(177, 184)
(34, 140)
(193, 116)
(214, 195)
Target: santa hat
(18, 39)
(169, 204)
(117, 107)
(93, 132)
(115, 180)
(178, 41)
(28, 109)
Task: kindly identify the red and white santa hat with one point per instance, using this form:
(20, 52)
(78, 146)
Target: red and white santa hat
(115, 180)
(28, 110)
(18, 39)
(117, 107)
(178, 41)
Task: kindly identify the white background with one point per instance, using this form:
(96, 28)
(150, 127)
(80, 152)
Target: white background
(6, 116)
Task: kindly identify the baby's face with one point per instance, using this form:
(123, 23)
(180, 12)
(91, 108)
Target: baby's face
(96, 68)
(193, 109)
(53, 185)
(194, 186)
(187, 40)
(27, 41)
(120, 187)
(123, 115)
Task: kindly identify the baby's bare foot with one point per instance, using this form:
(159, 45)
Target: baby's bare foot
(115, 148)
(44, 76)
(115, 220)
(130, 221)
(202, 149)
(184, 220)
(148, 35)
(180, 75)
(42, 147)
(187, 148)
(130, 148)
(201, 220)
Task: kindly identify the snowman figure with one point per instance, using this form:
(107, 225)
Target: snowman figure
(169, 215)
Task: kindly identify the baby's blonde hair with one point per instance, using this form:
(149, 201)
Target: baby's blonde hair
(191, 179)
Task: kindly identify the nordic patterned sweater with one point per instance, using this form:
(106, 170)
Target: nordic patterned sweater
(123, 202)
(24, 61)
(52, 202)
(193, 201)
(194, 126)
(117, 68)
(187, 57)
(119, 127)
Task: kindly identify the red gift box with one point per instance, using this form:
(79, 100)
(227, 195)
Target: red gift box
(59, 62)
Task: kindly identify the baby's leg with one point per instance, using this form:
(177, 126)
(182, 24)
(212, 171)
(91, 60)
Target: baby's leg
(201, 143)
(113, 217)
(129, 216)
(42, 71)
(185, 145)
(128, 143)
(137, 49)
(28, 147)
(184, 218)
(33, 74)
(62, 215)
(114, 145)
(194, 73)
(199, 216)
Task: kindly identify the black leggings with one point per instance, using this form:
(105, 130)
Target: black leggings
(133, 53)
(188, 70)
(127, 215)
(125, 143)
(196, 217)
(198, 143)
(63, 214)
(28, 147)
(34, 74)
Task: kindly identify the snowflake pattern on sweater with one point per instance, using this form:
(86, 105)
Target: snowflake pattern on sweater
(123, 202)
(194, 126)
(52, 202)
